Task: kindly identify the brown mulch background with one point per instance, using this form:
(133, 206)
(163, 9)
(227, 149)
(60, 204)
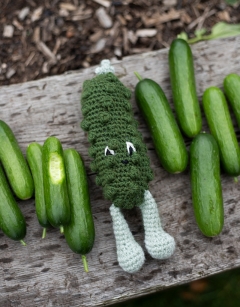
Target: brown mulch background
(40, 38)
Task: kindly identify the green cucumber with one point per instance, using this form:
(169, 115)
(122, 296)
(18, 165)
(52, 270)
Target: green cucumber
(184, 88)
(12, 221)
(220, 124)
(14, 164)
(206, 184)
(55, 185)
(79, 233)
(167, 138)
(34, 158)
(232, 91)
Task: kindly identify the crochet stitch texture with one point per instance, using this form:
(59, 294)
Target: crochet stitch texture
(159, 244)
(119, 154)
(130, 254)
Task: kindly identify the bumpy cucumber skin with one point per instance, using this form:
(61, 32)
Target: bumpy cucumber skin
(167, 138)
(56, 194)
(34, 158)
(80, 232)
(14, 164)
(206, 184)
(232, 90)
(184, 88)
(220, 124)
(12, 221)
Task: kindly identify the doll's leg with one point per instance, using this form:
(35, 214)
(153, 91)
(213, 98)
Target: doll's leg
(159, 244)
(130, 254)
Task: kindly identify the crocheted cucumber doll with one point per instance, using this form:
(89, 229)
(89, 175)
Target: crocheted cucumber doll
(122, 166)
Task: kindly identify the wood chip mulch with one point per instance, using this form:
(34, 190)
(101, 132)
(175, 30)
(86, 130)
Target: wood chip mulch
(40, 38)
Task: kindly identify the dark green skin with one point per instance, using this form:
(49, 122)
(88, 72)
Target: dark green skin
(184, 88)
(109, 121)
(56, 195)
(34, 158)
(220, 124)
(14, 164)
(232, 90)
(12, 221)
(80, 232)
(167, 138)
(206, 184)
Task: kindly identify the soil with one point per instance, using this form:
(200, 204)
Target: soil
(39, 38)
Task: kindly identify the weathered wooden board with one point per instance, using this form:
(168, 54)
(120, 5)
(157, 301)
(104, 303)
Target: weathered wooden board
(46, 272)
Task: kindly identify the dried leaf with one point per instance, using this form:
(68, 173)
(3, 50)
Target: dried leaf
(23, 13)
(99, 46)
(146, 32)
(170, 2)
(17, 24)
(103, 2)
(8, 31)
(36, 15)
(67, 6)
(224, 15)
(10, 73)
(103, 18)
(46, 52)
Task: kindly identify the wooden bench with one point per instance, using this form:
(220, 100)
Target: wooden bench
(46, 272)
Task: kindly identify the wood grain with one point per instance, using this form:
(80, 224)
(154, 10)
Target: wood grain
(46, 272)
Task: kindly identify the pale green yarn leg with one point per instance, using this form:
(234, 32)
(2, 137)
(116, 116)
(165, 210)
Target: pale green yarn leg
(159, 244)
(129, 252)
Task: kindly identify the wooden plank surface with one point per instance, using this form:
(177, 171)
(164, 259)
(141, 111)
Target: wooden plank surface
(46, 272)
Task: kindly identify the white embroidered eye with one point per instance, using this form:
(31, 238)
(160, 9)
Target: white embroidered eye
(130, 148)
(109, 152)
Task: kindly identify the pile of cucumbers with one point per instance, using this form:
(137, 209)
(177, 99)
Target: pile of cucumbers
(57, 178)
(209, 152)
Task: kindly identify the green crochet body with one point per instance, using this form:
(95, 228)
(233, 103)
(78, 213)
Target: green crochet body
(119, 154)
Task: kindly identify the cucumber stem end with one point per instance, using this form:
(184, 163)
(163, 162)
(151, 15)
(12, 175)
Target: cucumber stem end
(61, 229)
(23, 243)
(44, 233)
(138, 75)
(85, 264)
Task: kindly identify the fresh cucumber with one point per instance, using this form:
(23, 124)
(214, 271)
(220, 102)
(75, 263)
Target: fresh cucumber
(54, 182)
(14, 164)
(167, 138)
(220, 124)
(232, 91)
(206, 184)
(12, 221)
(80, 232)
(34, 158)
(184, 88)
